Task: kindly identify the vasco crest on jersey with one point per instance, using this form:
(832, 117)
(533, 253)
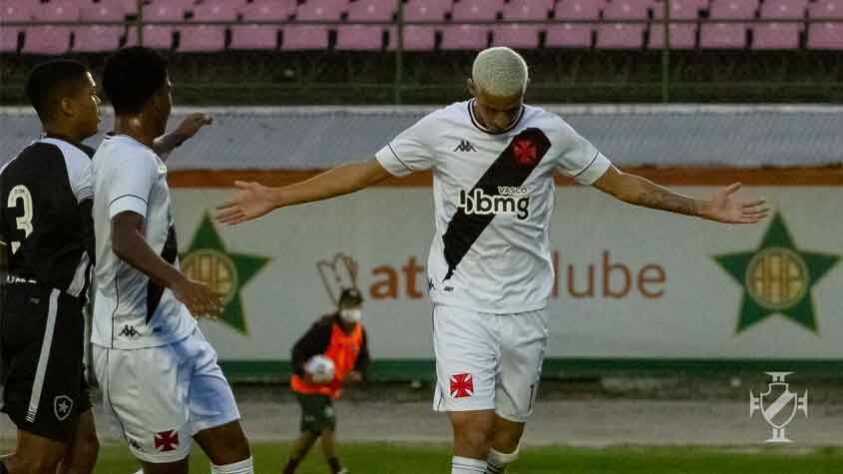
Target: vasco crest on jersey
(505, 200)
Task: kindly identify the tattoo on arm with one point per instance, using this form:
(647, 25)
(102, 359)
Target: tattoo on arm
(660, 198)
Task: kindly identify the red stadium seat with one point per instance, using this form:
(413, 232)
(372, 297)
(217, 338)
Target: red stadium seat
(364, 37)
(51, 39)
(522, 36)
(623, 35)
(207, 38)
(98, 38)
(421, 37)
(261, 36)
(9, 34)
(826, 35)
(573, 35)
(303, 37)
(779, 35)
(682, 35)
(157, 36)
(466, 36)
(718, 35)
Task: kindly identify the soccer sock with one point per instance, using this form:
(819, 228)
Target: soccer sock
(461, 465)
(334, 462)
(497, 461)
(242, 467)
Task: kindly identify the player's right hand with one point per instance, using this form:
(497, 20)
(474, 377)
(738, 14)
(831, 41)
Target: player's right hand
(198, 297)
(252, 200)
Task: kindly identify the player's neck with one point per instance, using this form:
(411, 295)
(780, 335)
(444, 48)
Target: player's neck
(64, 134)
(133, 126)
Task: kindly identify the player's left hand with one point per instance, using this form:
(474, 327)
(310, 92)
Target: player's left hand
(191, 125)
(724, 207)
(353, 377)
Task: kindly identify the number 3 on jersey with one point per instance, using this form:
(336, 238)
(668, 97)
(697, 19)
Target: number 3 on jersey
(20, 193)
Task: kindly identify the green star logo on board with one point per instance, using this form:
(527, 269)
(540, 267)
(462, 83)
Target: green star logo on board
(777, 278)
(208, 261)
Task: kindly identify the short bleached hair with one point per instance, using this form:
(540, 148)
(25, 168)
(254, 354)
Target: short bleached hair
(500, 72)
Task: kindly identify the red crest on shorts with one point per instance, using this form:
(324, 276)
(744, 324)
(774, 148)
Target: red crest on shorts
(462, 385)
(525, 151)
(167, 441)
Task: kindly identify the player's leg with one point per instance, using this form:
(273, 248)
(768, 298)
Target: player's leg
(467, 350)
(140, 388)
(83, 450)
(300, 449)
(328, 425)
(214, 416)
(42, 365)
(311, 427)
(523, 343)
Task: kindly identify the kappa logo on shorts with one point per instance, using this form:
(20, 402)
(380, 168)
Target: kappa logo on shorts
(62, 406)
(462, 385)
(166, 441)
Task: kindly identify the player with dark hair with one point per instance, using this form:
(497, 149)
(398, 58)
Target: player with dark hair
(340, 338)
(490, 270)
(158, 373)
(48, 239)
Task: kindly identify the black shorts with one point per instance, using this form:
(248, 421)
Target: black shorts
(317, 413)
(42, 335)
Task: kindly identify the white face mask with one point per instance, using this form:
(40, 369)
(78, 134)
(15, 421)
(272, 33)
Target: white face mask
(351, 315)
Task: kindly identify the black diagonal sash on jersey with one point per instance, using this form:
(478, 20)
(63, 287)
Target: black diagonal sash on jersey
(154, 291)
(464, 229)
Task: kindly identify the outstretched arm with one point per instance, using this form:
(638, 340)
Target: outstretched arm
(254, 200)
(188, 127)
(722, 207)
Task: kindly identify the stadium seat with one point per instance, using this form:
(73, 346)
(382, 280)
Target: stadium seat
(683, 35)
(465, 36)
(157, 36)
(9, 34)
(50, 40)
(717, 35)
(573, 35)
(98, 38)
(364, 37)
(779, 35)
(623, 35)
(826, 35)
(420, 37)
(522, 36)
(208, 38)
(303, 37)
(261, 36)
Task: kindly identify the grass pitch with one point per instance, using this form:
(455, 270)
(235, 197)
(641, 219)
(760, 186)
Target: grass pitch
(434, 459)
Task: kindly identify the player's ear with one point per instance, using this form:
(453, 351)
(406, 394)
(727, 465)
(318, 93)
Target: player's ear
(65, 107)
(471, 87)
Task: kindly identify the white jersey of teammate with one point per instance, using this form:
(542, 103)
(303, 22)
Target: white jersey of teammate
(494, 196)
(130, 311)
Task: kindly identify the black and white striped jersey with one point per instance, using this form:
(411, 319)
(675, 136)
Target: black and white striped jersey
(46, 194)
(494, 195)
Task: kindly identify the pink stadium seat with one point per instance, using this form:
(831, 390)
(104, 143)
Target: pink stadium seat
(185, 5)
(9, 34)
(826, 35)
(573, 35)
(464, 36)
(716, 35)
(623, 35)
(157, 36)
(260, 36)
(682, 36)
(299, 37)
(207, 38)
(779, 35)
(51, 39)
(97, 38)
(420, 37)
(522, 36)
(363, 37)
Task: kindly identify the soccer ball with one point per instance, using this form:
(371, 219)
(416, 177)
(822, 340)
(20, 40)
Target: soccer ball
(320, 368)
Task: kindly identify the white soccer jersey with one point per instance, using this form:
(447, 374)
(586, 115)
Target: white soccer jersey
(130, 311)
(493, 195)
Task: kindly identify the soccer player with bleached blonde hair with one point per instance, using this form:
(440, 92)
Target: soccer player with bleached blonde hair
(490, 271)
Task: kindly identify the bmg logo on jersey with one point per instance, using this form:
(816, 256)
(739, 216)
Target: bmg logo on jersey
(510, 200)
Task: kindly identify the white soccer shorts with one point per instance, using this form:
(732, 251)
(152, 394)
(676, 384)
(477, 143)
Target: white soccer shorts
(162, 396)
(488, 361)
